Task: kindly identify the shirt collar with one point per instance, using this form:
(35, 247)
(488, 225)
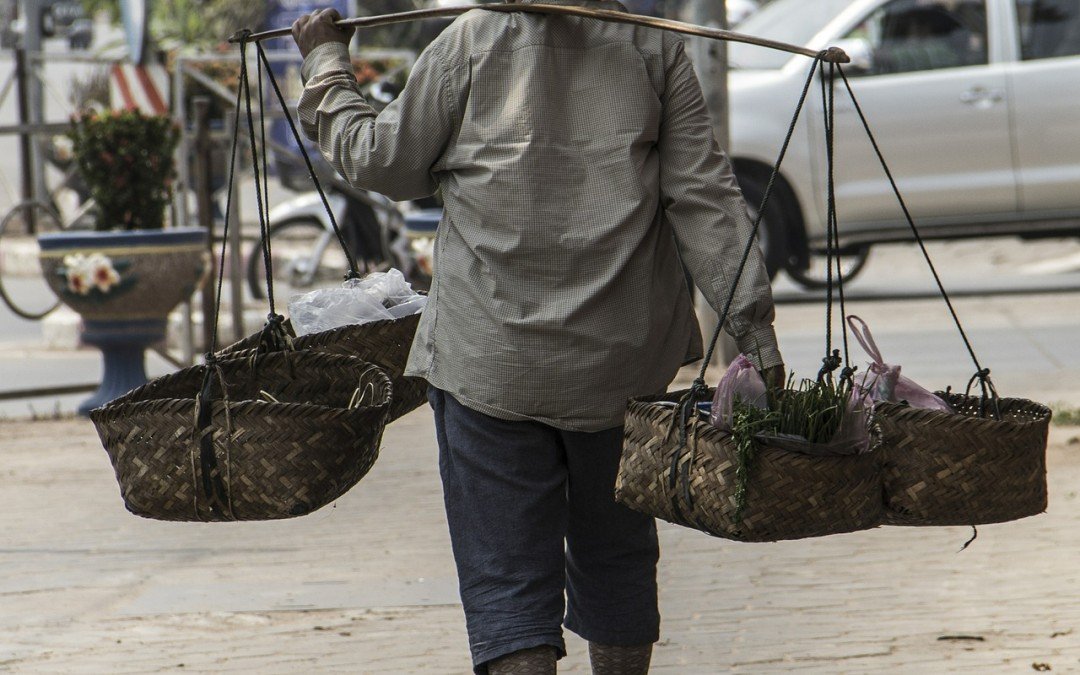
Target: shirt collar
(594, 4)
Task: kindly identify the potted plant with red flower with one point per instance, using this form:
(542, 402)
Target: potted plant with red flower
(126, 275)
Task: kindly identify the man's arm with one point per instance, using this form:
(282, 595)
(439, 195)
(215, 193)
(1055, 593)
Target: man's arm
(702, 202)
(391, 152)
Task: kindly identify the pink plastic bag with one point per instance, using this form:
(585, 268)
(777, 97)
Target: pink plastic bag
(743, 381)
(882, 382)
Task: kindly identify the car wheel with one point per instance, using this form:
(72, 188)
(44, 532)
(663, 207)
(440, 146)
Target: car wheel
(815, 275)
(772, 232)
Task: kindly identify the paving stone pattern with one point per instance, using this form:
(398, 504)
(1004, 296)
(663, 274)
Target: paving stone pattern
(367, 586)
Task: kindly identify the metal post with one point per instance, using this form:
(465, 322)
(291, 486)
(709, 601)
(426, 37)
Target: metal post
(204, 199)
(26, 157)
(183, 151)
(32, 46)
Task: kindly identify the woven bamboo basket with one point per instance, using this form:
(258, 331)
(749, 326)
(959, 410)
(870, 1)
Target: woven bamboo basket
(270, 459)
(962, 469)
(384, 343)
(789, 495)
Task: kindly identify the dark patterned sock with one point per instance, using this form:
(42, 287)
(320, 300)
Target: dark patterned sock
(533, 661)
(608, 660)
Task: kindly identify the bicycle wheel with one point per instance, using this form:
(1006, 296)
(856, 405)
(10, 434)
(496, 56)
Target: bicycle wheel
(305, 255)
(22, 284)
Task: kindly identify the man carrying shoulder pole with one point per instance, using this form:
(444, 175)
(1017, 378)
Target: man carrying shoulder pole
(579, 173)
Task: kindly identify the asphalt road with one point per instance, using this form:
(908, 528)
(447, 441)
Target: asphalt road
(1020, 304)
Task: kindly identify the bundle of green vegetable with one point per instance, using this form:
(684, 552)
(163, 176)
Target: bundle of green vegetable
(811, 410)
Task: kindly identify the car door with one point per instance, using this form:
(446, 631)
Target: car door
(1045, 96)
(937, 105)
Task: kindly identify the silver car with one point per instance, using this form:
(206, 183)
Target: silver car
(975, 103)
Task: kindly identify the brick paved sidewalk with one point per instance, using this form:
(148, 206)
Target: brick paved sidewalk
(368, 585)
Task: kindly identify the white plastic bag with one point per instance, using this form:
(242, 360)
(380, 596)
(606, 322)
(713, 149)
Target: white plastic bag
(379, 296)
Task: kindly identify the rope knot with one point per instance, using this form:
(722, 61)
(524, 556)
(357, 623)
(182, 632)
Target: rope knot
(210, 359)
(242, 36)
(274, 337)
(834, 55)
(848, 373)
(698, 388)
(829, 364)
(352, 274)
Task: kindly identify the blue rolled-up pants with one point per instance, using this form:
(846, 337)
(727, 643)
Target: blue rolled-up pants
(538, 538)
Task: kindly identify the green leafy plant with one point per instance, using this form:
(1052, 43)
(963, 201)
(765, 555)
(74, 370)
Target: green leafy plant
(813, 410)
(126, 159)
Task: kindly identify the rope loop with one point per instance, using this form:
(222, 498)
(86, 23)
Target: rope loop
(988, 393)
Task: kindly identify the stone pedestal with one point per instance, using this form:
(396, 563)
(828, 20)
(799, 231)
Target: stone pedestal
(123, 347)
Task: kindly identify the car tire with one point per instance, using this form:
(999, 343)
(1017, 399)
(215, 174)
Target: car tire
(774, 227)
(852, 263)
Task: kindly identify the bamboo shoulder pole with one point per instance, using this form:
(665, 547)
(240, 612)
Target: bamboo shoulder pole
(832, 55)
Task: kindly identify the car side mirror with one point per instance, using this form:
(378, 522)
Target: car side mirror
(861, 54)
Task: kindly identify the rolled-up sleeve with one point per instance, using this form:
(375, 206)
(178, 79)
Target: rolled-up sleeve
(392, 152)
(702, 202)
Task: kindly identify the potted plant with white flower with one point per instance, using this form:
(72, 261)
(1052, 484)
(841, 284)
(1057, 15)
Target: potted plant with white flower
(126, 275)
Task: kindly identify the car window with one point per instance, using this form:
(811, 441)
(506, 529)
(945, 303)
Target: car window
(911, 35)
(1048, 28)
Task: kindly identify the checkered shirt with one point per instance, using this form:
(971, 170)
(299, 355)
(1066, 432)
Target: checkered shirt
(579, 173)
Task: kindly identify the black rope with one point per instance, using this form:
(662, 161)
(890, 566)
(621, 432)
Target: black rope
(982, 374)
(213, 487)
(255, 160)
(836, 218)
(832, 360)
(686, 406)
(829, 362)
(264, 199)
(212, 347)
(757, 221)
(353, 272)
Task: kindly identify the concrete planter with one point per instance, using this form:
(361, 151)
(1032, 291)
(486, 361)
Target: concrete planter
(123, 284)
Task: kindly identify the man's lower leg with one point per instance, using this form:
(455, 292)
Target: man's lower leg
(533, 661)
(611, 660)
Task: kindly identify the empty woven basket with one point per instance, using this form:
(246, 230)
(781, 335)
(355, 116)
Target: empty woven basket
(789, 495)
(384, 343)
(291, 432)
(962, 469)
